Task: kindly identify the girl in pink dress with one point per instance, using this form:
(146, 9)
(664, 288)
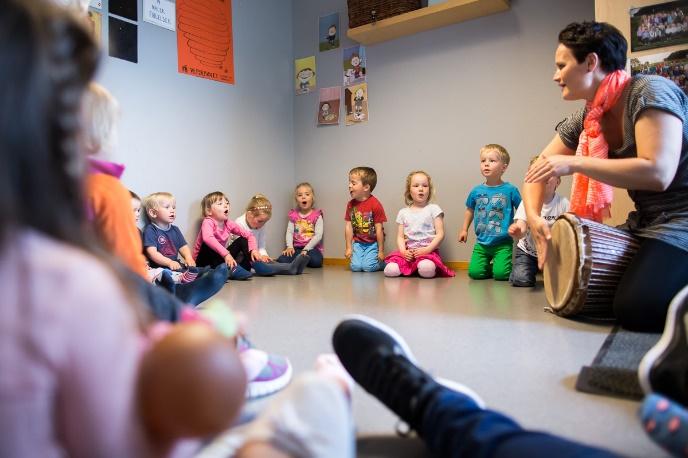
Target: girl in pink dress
(421, 230)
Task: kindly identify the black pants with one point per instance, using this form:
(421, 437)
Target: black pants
(658, 271)
(238, 249)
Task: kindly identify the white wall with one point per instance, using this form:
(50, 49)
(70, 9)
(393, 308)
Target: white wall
(191, 136)
(435, 98)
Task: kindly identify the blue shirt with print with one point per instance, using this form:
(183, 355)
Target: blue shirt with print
(493, 211)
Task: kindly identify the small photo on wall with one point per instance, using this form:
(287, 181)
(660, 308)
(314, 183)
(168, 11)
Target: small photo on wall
(660, 25)
(304, 73)
(672, 66)
(354, 65)
(356, 103)
(328, 32)
(328, 106)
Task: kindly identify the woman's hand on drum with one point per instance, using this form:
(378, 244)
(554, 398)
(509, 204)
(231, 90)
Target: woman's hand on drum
(539, 230)
(556, 165)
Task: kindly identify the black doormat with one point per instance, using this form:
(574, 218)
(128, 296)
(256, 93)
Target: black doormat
(614, 371)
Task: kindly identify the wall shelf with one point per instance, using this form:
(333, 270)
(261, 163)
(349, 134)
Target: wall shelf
(431, 17)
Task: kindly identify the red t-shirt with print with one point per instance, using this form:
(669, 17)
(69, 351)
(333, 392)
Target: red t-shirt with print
(363, 216)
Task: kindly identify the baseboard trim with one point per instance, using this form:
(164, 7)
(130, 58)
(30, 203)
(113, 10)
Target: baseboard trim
(456, 265)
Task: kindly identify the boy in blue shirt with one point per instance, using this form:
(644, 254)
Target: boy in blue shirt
(492, 206)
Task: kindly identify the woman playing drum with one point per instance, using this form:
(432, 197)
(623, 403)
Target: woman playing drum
(640, 123)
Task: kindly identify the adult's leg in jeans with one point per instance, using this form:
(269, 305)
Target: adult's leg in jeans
(657, 272)
(208, 257)
(160, 302)
(239, 251)
(524, 269)
(454, 426)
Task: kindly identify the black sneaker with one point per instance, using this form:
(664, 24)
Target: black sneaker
(664, 369)
(382, 363)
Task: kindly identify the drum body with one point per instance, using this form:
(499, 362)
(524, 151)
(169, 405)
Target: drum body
(585, 262)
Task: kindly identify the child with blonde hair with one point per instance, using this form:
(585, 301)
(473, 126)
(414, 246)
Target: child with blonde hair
(420, 232)
(492, 204)
(258, 212)
(304, 229)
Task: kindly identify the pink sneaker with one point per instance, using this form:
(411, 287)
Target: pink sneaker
(266, 373)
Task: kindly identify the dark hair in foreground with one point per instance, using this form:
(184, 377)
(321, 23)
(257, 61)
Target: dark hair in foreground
(583, 38)
(46, 59)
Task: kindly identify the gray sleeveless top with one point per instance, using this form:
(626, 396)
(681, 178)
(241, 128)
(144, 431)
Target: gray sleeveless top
(658, 215)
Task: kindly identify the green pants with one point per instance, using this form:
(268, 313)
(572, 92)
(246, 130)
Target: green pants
(500, 256)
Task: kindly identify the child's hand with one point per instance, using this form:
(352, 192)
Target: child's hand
(288, 252)
(515, 231)
(266, 258)
(190, 263)
(347, 253)
(174, 265)
(230, 261)
(408, 255)
(463, 236)
(256, 256)
(421, 251)
(381, 255)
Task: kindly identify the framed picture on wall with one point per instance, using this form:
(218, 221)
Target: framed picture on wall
(659, 25)
(673, 66)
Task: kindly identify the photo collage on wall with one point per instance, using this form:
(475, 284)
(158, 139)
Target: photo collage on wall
(659, 26)
(352, 95)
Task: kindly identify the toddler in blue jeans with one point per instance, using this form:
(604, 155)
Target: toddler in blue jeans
(524, 265)
(364, 233)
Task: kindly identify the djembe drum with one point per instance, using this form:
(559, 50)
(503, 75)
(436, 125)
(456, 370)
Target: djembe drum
(585, 262)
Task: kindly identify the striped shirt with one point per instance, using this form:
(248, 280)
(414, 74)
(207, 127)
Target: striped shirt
(661, 215)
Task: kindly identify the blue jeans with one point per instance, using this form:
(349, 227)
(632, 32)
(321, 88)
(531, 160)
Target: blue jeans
(364, 257)
(315, 255)
(524, 268)
(454, 426)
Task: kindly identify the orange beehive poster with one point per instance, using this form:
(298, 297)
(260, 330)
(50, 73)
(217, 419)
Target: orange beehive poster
(204, 39)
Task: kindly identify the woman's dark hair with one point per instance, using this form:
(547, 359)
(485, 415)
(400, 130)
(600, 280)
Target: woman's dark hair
(583, 38)
(47, 57)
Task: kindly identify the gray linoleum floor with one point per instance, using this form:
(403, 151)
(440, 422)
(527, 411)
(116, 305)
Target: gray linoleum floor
(485, 334)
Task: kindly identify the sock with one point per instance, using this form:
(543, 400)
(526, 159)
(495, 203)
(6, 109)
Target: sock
(188, 276)
(299, 264)
(204, 287)
(666, 422)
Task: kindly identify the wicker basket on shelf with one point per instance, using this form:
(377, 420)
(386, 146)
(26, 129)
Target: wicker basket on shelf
(363, 12)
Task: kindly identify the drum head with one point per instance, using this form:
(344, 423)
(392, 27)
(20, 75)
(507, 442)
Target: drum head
(560, 272)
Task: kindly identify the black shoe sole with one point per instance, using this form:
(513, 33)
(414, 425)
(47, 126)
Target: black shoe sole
(664, 369)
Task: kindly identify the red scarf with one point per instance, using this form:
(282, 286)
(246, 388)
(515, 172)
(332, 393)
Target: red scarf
(590, 198)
